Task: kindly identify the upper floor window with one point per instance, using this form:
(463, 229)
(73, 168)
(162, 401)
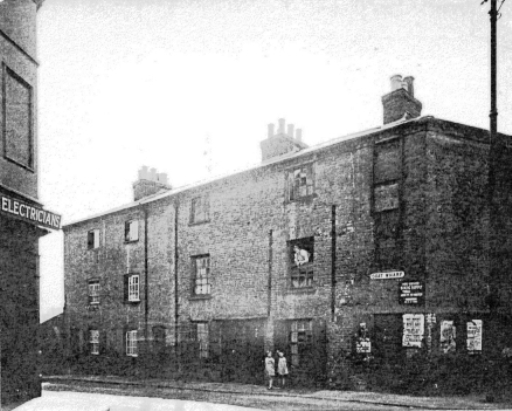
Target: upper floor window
(201, 272)
(199, 209)
(131, 230)
(93, 239)
(301, 262)
(131, 343)
(131, 288)
(17, 109)
(94, 341)
(300, 181)
(94, 292)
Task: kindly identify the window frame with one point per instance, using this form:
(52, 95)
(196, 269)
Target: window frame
(204, 202)
(206, 279)
(131, 226)
(202, 330)
(94, 341)
(31, 163)
(306, 271)
(133, 288)
(131, 343)
(94, 292)
(295, 343)
(295, 185)
(95, 243)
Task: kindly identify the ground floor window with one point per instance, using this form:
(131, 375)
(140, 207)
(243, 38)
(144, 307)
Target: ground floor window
(94, 341)
(203, 339)
(301, 336)
(131, 343)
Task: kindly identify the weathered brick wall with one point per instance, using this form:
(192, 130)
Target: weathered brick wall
(19, 310)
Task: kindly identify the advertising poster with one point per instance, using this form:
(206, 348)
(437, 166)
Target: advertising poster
(474, 336)
(414, 328)
(448, 336)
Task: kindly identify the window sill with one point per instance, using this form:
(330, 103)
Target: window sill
(193, 223)
(132, 301)
(28, 167)
(131, 241)
(132, 355)
(200, 297)
(305, 199)
(303, 290)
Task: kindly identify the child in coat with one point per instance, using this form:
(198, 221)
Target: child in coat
(270, 365)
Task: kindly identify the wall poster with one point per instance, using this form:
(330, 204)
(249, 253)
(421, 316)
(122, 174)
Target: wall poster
(414, 328)
(448, 336)
(474, 336)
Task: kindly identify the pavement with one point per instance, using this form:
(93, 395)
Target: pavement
(467, 402)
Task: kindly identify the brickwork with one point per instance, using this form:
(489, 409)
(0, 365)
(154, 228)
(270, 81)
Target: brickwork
(19, 254)
(246, 236)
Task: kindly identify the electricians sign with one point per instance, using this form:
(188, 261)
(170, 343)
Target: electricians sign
(29, 213)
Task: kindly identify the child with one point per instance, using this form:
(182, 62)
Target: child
(270, 365)
(282, 367)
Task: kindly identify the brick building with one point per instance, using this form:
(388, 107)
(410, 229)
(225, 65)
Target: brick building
(22, 218)
(362, 253)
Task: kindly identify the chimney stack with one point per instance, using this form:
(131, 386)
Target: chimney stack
(400, 102)
(283, 142)
(150, 182)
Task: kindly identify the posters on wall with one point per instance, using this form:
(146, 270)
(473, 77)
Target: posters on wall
(414, 328)
(474, 336)
(448, 334)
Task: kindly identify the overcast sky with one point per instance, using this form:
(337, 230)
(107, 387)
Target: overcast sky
(189, 86)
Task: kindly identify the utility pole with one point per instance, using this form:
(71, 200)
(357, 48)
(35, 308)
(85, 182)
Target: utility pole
(495, 147)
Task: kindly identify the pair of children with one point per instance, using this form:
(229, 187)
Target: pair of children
(270, 368)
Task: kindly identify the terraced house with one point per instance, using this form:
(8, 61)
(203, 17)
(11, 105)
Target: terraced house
(365, 251)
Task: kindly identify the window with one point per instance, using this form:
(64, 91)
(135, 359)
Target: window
(203, 339)
(17, 110)
(131, 288)
(387, 174)
(301, 182)
(93, 239)
(131, 230)
(199, 210)
(131, 343)
(301, 335)
(301, 253)
(94, 341)
(94, 292)
(201, 267)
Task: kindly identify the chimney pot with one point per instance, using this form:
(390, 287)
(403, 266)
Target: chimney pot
(281, 126)
(396, 82)
(143, 173)
(291, 128)
(409, 80)
(162, 178)
(270, 130)
(298, 134)
(152, 174)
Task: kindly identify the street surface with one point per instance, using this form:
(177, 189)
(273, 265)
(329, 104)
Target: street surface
(138, 397)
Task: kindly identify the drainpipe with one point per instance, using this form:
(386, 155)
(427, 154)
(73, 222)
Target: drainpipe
(176, 284)
(333, 261)
(269, 306)
(146, 279)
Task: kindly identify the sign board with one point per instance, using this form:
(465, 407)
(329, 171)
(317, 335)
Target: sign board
(474, 336)
(414, 328)
(388, 275)
(363, 346)
(32, 214)
(412, 293)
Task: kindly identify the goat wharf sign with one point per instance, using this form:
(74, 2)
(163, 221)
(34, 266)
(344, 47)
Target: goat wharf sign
(29, 213)
(387, 275)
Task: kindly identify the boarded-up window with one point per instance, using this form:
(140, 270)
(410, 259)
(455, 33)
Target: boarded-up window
(387, 162)
(386, 197)
(199, 209)
(18, 145)
(387, 240)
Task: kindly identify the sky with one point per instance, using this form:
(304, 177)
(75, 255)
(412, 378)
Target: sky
(189, 86)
